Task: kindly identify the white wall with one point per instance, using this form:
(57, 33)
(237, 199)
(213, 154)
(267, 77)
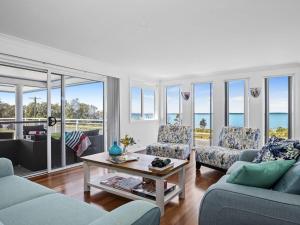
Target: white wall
(144, 132)
(254, 78)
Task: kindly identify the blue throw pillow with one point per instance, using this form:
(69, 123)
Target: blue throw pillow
(277, 149)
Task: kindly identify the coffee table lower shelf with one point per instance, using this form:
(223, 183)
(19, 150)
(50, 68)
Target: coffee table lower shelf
(95, 183)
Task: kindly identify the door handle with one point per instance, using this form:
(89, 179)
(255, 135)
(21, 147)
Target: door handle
(51, 121)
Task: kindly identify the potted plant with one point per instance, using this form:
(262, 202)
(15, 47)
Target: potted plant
(127, 141)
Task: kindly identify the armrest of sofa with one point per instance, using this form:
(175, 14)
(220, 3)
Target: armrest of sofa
(248, 155)
(226, 203)
(6, 167)
(132, 213)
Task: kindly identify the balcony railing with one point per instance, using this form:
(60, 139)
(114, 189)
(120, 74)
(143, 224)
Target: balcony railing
(70, 124)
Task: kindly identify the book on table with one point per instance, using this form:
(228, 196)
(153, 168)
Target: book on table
(124, 183)
(148, 192)
(136, 186)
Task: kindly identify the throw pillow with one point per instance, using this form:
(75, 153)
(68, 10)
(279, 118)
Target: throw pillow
(261, 175)
(278, 149)
(290, 181)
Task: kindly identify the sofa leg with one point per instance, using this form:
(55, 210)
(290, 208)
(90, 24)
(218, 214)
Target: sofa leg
(198, 165)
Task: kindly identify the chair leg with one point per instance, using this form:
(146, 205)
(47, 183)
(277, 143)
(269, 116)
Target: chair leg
(198, 165)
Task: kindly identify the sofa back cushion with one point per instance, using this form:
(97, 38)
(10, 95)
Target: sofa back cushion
(239, 138)
(175, 134)
(290, 182)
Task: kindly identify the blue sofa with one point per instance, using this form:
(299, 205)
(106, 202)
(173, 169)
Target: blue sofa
(231, 204)
(23, 202)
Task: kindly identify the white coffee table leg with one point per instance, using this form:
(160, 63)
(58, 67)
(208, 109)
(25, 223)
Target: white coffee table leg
(86, 179)
(182, 182)
(160, 195)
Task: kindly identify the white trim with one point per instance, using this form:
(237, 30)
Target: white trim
(49, 151)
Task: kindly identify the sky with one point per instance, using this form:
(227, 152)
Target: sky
(236, 96)
(202, 98)
(173, 99)
(278, 94)
(91, 94)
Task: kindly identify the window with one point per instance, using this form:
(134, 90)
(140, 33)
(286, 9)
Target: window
(136, 103)
(278, 107)
(235, 103)
(173, 104)
(202, 114)
(142, 103)
(149, 104)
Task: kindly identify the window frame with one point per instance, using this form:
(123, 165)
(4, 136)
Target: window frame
(166, 102)
(211, 84)
(142, 103)
(290, 105)
(246, 102)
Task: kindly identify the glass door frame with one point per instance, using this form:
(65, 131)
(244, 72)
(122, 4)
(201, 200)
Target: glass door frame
(50, 69)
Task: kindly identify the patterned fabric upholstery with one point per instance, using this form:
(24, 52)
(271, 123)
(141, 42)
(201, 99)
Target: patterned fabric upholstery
(217, 156)
(169, 150)
(239, 138)
(175, 134)
(231, 141)
(173, 142)
(277, 149)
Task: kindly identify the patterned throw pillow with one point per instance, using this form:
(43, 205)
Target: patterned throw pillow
(277, 149)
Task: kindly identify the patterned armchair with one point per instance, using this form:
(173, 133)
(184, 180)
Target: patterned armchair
(231, 143)
(173, 142)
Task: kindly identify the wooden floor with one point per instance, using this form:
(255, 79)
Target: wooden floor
(181, 212)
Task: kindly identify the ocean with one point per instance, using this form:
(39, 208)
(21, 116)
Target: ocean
(237, 119)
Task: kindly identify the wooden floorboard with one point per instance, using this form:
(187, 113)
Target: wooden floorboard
(177, 212)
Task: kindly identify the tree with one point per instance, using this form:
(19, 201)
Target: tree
(177, 119)
(203, 123)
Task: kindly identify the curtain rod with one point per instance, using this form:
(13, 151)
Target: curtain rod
(51, 64)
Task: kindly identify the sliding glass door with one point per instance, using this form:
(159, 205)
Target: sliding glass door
(202, 114)
(48, 120)
(84, 112)
(24, 118)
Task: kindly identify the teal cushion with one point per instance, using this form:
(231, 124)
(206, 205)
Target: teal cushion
(290, 182)
(52, 209)
(237, 165)
(262, 175)
(14, 190)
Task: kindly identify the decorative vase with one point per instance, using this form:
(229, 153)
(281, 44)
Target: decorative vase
(115, 149)
(124, 150)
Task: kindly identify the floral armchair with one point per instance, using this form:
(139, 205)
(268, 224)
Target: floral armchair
(174, 141)
(232, 141)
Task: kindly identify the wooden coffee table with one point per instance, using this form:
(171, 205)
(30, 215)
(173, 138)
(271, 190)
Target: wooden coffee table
(136, 168)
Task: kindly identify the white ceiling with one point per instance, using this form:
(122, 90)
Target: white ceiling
(162, 38)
